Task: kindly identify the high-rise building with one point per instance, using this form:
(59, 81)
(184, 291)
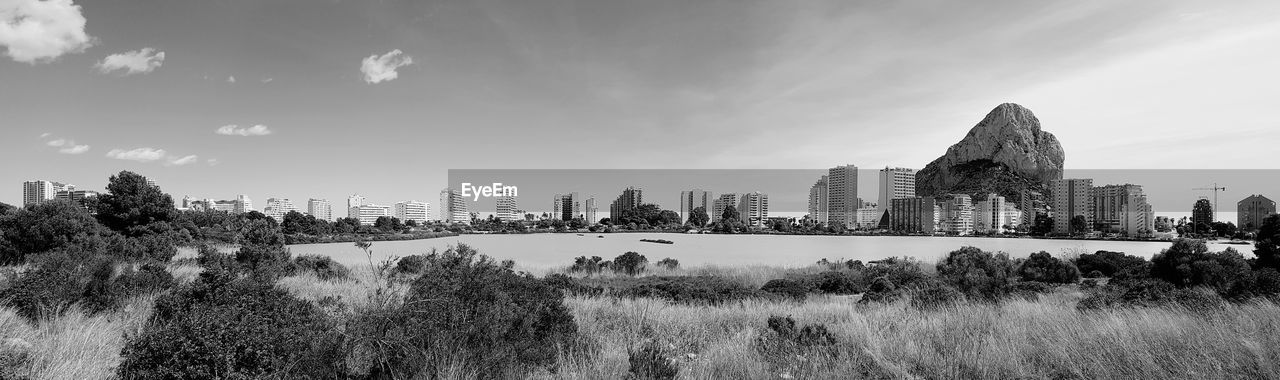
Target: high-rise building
(243, 204)
(818, 201)
(868, 217)
(320, 209)
(76, 196)
(990, 214)
(956, 214)
(187, 202)
(1031, 204)
(369, 213)
(895, 183)
(1070, 198)
(1201, 213)
(1012, 215)
(590, 210)
(566, 207)
(413, 210)
(913, 215)
(842, 195)
(631, 198)
(278, 207)
(1252, 210)
(1121, 209)
(353, 205)
(40, 191)
(506, 209)
(692, 199)
(753, 208)
(721, 203)
(221, 205)
(453, 208)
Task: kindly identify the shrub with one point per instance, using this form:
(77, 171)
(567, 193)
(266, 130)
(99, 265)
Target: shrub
(901, 271)
(571, 285)
(413, 264)
(467, 310)
(977, 273)
(1151, 293)
(262, 250)
(322, 266)
(46, 227)
(699, 290)
(1095, 274)
(1189, 263)
(630, 263)
(589, 266)
(107, 291)
(1043, 267)
(933, 295)
(58, 281)
(785, 343)
(649, 363)
(222, 327)
(1107, 263)
(788, 288)
(881, 290)
(669, 263)
(1030, 290)
(210, 258)
(837, 282)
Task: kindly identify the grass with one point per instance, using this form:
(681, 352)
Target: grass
(1044, 338)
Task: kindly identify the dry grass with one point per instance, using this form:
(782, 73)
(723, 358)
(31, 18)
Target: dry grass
(74, 345)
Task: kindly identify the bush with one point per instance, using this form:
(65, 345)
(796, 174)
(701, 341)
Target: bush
(1043, 267)
(107, 291)
(45, 227)
(788, 347)
(222, 327)
(650, 363)
(262, 250)
(1188, 263)
(700, 290)
(58, 281)
(977, 273)
(1030, 290)
(934, 295)
(837, 282)
(1095, 274)
(1151, 293)
(465, 310)
(630, 263)
(571, 285)
(1107, 263)
(882, 290)
(322, 266)
(589, 266)
(792, 289)
(669, 263)
(901, 271)
(413, 264)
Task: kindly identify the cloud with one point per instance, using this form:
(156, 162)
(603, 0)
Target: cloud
(66, 146)
(43, 135)
(139, 154)
(268, 80)
(234, 130)
(180, 161)
(231, 79)
(132, 62)
(383, 68)
(35, 31)
(212, 162)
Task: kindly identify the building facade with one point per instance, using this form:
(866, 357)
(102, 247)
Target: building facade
(1252, 210)
(1201, 213)
(277, 207)
(566, 207)
(41, 191)
(76, 196)
(721, 203)
(413, 210)
(590, 211)
(990, 215)
(1121, 209)
(842, 195)
(895, 183)
(916, 215)
(506, 209)
(453, 208)
(1070, 198)
(692, 199)
(753, 208)
(353, 205)
(320, 209)
(818, 201)
(369, 213)
(631, 198)
(243, 204)
(956, 214)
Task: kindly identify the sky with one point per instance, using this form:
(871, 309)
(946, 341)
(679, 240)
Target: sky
(322, 99)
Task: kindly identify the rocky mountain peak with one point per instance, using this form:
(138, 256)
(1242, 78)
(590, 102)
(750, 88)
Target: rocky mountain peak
(1004, 153)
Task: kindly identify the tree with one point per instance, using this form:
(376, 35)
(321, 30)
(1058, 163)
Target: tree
(295, 223)
(44, 227)
(730, 213)
(978, 273)
(346, 225)
(667, 217)
(1079, 225)
(1267, 248)
(631, 263)
(386, 224)
(1043, 267)
(131, 203)
(698, 217)
(5, 208)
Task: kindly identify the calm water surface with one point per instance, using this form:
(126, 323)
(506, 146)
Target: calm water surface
(548, 250)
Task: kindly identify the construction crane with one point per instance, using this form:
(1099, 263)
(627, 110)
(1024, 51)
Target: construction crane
(1215, 190)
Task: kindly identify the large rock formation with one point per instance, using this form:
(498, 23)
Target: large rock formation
(1004, 154)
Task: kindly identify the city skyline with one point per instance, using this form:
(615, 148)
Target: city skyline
(240, 114)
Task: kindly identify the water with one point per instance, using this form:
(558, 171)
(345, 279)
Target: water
(550, 250)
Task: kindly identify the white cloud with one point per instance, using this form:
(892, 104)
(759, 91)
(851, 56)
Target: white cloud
(179, 161)
(43, 135)
(132, 62)
(66, 146)
(234, 130)
(139, 154)
(383, 68)
(212, 162)
(35, 31)
(268, 80)
(231, 79)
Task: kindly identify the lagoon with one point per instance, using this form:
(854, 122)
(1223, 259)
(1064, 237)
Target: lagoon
(543, 251)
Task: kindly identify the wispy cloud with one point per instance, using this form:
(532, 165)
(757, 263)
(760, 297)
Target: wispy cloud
(35, 31)
(231, 79)
(212, 162)
(268, 80)
(65, 146)
(138, 154)
(234, 130)
(132, 62)
(383, 68)
(180, 161)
